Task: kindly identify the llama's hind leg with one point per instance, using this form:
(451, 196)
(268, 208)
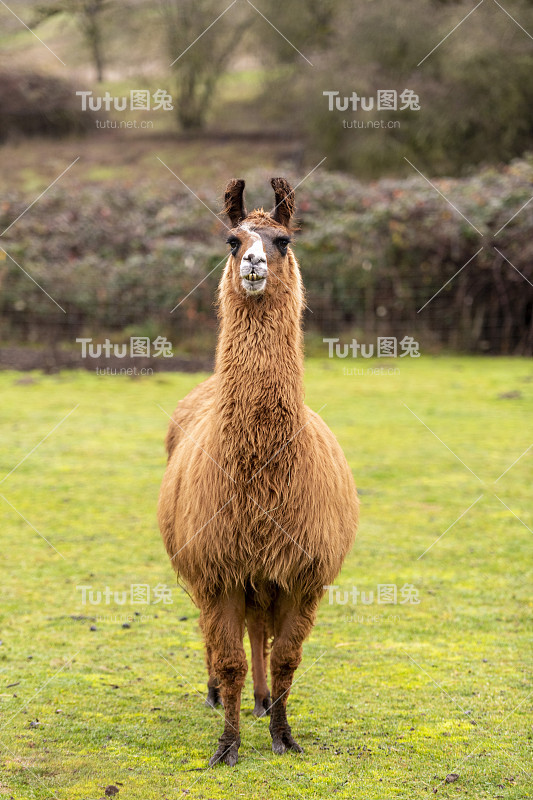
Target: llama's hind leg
(293, 622)
(258, 634)
(223, 626)
(213, 698)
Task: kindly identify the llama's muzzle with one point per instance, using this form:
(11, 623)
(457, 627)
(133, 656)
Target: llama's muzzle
(254, 270)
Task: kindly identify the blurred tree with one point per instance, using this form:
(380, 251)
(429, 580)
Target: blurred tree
(474, 81)
(306, 28)
(202, 37)
(88, 15)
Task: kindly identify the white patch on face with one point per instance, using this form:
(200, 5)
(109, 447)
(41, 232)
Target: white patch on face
(256, 249)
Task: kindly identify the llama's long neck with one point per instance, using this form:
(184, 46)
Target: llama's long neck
(259, 364)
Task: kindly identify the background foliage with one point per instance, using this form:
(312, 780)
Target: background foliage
(126, 252)
(475, 88)
(372, 256)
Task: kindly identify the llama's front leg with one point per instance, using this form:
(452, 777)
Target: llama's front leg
(293, 622)
(223, 625)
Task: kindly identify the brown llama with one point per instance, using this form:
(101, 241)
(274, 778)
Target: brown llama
(258, 506)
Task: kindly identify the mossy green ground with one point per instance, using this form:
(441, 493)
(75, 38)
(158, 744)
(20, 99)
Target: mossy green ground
(389, 699)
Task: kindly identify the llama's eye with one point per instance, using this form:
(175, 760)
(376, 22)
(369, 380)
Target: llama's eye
(234, 244)
(282, 244)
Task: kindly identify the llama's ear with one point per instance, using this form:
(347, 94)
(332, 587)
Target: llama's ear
(285, 205)
(234, 203)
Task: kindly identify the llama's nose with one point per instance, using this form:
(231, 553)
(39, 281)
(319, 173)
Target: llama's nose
(254, 260)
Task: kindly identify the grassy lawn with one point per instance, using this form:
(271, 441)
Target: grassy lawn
(390, 698)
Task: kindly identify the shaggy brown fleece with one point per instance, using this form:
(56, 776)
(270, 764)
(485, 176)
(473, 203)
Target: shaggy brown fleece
(258, 506)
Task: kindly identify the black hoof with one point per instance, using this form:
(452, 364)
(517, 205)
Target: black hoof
(262, 707)
(225, 754)
(213, 698)
(282, 742)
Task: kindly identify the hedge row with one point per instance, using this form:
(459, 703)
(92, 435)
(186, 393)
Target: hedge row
(32, 104)
(372, 255)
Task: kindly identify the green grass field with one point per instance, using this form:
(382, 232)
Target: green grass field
(390, 698)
